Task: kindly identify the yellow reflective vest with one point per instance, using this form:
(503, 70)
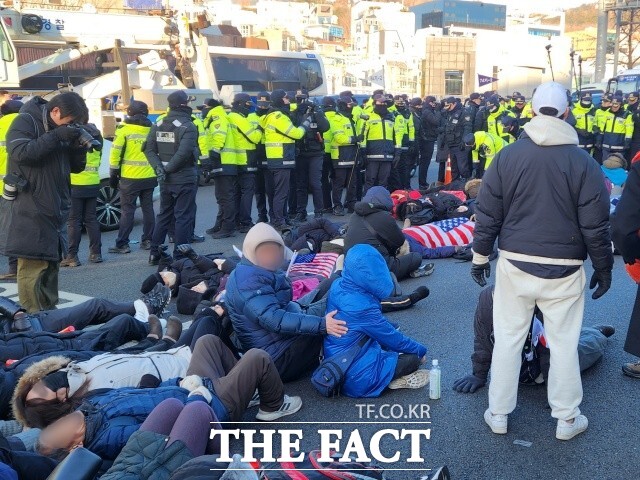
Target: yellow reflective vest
(280, 135)
(5, 123)
(382, 137)
(246, 135)
(90, 175)
(217, 125)
(488, 144)
(127, 152)
(493, 125)
(344, 144)
(616, 129)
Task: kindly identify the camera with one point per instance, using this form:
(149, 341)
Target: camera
(13, 184)
(87, 140)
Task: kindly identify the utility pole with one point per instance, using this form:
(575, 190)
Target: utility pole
(601, 41)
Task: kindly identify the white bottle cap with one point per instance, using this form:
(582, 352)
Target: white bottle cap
(434, 362)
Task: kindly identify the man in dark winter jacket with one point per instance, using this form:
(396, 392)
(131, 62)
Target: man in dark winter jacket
(42, 153)
(172, 150)
(430, 123)
(545, 201)
(456, 124)
(263, 313)
(373, 224)
(535, 354)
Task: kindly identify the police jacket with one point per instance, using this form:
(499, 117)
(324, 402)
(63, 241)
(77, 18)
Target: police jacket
(543, 196)
(86, 184)
(615, 129)
(173, 143)
(127, 153)
(380, 139)
(585, 118)
(216, 125)
(246, 136)
(493, 120)
(32, 225)
(343, 144)
(431, 119)
(312, 143)
(457, 124)
(280, 135)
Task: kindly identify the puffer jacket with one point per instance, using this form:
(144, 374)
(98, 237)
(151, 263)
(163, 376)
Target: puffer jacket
(262, 311)
(113, 416)
(32, 225)
(543, 196)
(108, 370)
(356, 296)
(14, 346)
(145, 457)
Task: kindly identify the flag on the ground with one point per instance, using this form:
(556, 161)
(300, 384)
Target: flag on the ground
(444, 233)
(314, 264)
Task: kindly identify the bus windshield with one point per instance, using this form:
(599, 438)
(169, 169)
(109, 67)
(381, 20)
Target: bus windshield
(628, 83)
(255, 74)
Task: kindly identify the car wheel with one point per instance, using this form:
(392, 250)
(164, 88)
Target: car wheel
(108, 207)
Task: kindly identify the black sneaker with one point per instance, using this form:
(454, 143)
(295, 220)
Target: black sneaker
(154, 259)
(144, 245)
(424, 271)
(157, 299)
(606, 330)
(95, 258)
(197, 238)
(338, 211)
(125, 249)
(245, 228)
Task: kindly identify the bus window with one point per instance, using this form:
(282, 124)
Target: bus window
(249, 73)
(310, 74)
(5, 47)
(628, 83)
(284, 74)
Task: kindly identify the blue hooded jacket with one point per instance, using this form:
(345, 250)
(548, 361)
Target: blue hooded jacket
(365, 282)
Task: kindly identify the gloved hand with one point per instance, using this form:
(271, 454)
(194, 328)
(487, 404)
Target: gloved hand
(206, 165)
(480, 269)
(65, 133)
(186, 250)
(307, 124)
(469, 384)
(161, 174)
(396, 157)
(601, 278)
(114, 177)
(463, 146)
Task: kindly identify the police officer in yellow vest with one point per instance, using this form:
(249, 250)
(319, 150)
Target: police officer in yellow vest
(133, 175)
(84, 198)
(280, 136)
(246, 137)
(344, 147)
(399, 177)
(615, 129)
(487, 145)
(8, 111)
(584, 113)
(262, 109)
(381, 143)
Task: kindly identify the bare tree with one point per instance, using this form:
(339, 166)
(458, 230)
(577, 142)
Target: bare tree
(630, 38)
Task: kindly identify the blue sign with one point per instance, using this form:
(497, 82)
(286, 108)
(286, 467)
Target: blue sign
(484, 80)
(143, 4)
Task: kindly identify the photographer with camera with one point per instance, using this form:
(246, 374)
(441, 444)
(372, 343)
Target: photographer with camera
(43, 150)
(311, 155)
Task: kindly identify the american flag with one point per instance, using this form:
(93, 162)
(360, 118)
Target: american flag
(314, 264)
(444, 233)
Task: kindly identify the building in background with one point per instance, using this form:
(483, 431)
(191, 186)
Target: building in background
(446, 13)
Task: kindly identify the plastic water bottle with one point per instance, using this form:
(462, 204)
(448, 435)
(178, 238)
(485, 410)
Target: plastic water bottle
(434, 380)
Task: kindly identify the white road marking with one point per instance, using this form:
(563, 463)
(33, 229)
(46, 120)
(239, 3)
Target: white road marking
(67, 299)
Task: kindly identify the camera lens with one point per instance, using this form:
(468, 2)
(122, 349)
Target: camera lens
(9, 192)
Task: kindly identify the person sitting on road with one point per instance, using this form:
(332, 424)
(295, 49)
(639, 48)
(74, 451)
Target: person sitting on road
(535, 355)
(373, 224)
(388, 359)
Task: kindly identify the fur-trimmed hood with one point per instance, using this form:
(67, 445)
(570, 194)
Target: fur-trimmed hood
(31, 376)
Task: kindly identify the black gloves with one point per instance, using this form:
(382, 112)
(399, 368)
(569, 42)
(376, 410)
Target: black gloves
(114, 178)
(469, 384)
(603, 280)
(480, 273)
(66, 133)
(396, 157)
(206, 165)
(186, 250)
(627, 144)
(160, 173)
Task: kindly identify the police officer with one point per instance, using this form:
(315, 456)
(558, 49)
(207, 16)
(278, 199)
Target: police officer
(615, 129)
(605, 105)
(379, 142)
(399, 176)
(172, 150)
(495, 109)
(521, 109)
(246, 136)
(487, 145)
(8, 111)
(473, 106)
(133, 175)
(430, 129)
(328, 106)
(457, 124)
(310, 157)
(262, 108)
(584, 113)
(84, 198)
(280, 135)
(634, 111)
(344, 148)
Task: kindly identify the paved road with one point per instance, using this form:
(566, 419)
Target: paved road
(459, 437)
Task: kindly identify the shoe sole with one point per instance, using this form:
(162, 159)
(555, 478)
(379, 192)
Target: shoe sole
(572, 434)
(263, 418)
(122, 252)
(629, 373)
(419, 380)
(496, 430)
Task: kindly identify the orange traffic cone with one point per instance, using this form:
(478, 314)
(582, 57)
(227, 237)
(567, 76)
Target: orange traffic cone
(447, 172)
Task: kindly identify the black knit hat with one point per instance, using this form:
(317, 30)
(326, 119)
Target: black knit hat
(151, 282)
(187, 301)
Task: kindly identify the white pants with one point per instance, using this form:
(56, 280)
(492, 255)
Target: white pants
(562, 304)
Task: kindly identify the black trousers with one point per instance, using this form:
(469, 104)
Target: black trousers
(177, 203)
(344, 178)
(426, 154)
(83, 212)
(261, 195)
(225, 186)
(300, 358)
(376, 173)
(399, 175)
(407, 363)
(91, 312)
(460, 163)
(309, 179)
(129, 195)
(277, 184)
(246, 186)
(402, 266)
(327, 181)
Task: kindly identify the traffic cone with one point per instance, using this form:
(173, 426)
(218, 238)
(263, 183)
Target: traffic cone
(447, 172)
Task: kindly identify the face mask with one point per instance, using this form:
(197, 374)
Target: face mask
(493, 108)
(585, 104)
(262, 111)
(56, 380)
(381, 110)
